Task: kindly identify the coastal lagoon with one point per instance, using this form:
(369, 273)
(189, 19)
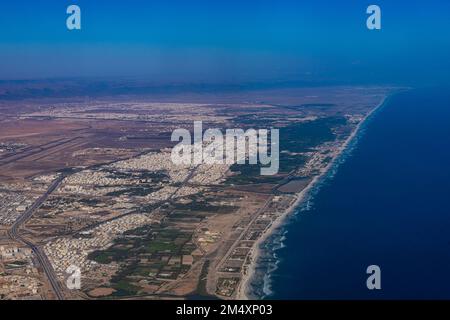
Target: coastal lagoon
(386, 204)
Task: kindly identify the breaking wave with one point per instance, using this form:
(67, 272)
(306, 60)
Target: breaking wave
(260, 286)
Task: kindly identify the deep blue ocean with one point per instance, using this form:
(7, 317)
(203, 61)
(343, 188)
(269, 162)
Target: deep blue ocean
(388, 204)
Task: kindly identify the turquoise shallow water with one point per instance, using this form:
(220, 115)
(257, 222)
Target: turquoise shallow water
(388, 204)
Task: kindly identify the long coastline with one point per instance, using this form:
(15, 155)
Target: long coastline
(300, 197)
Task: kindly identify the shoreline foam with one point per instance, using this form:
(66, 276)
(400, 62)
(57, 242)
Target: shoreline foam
(301, 197)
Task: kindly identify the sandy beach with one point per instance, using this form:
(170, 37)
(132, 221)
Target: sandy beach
(300, 197)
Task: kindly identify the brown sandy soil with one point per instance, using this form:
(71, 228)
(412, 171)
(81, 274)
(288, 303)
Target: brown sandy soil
(51, 144)
(185, 286)
(54, 144)
(294, 186)
(21, 129)
(101, 292)
(231, 231)
(262, 188)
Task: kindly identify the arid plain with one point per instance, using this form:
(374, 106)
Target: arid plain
(89, 182)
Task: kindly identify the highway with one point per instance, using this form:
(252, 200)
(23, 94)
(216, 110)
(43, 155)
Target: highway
(40, 255)
(30, 151)
(242, 234)
(155, 205)
(14, 234)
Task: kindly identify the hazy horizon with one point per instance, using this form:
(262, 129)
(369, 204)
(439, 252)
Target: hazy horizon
(231, 42)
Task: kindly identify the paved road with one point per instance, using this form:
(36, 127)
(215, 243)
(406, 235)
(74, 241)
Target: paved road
(34, 150)
(155, 205)
(243, 233)
(42, 258)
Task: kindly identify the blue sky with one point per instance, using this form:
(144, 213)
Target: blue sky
(230, 40)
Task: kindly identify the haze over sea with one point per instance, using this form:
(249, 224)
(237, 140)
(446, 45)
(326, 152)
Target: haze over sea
(388, 205)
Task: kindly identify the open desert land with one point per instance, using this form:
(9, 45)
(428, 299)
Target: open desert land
(90, 183)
